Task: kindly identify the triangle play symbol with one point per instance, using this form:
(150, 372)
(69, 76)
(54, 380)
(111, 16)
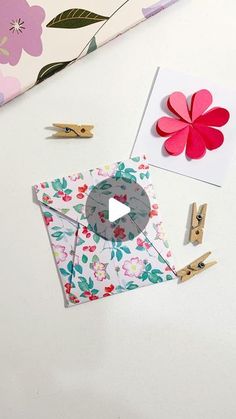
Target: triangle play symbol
(116, 210)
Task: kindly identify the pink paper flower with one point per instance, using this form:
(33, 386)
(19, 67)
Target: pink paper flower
(20, 29)
(59, 253)
(133, 267)
(9, 87)
(193, 126)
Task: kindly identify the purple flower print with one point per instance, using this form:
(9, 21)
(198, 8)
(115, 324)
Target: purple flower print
(9, 88)
(156, 8)
(20, 29)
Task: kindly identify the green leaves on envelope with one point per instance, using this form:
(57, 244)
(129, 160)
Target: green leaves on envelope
(75, 18)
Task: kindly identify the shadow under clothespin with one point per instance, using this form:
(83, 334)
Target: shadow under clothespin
(72, 131)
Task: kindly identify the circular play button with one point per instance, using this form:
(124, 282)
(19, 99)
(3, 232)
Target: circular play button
(117, 209)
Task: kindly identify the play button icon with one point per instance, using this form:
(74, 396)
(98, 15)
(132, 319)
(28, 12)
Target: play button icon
(116, 210)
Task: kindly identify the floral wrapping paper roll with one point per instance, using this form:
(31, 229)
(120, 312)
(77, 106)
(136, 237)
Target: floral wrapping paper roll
(40, 38)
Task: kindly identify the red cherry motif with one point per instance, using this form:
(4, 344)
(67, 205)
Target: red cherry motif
(66, 198)
(142, 243)
(153, 211)
(92, 248)
(73, 299)
(101, 216)
(93, 297)
(81, 190)
(110, 288)
(143, 167)
(121, 198)
(47, 199)
(119, 232)
(48, 220)
(86, 232)
(68, 288)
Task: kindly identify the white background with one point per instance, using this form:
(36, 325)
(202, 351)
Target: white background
(162, 352)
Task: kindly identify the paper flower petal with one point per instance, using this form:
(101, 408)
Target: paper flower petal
(216, 117)
(176, 143)
(200, 102)
(177, 103)
(213, 138)
(196, 148)
(167, 125)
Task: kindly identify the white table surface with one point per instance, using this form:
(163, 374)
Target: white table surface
(162, 352)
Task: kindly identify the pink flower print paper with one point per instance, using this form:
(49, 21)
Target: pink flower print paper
(47, 36)
(20, 29)
(89, 266)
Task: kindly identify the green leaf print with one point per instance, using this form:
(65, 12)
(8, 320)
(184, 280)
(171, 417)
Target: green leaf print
(135, 159)
(119, 255)
(50, 69)
(90, 284)
(79, 269)
(75, 18)
(148, 267)
(125, 249)
(119, 288)
(70, 267)
(64, 272)
(121, 166)
(96, 238)
(58, 234)
(84, 259)
(80, 241)
(94, 291)
(79, 208)
(144, 276)
(154, 278)
(92, 46)
(131, 286)
(68, 191)
(58, 185)
(83, 286)
(47, 214)
(161, 259)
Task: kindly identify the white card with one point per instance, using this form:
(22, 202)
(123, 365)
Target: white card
(210, 168)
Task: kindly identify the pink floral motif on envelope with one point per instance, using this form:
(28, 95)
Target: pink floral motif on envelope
(89, 266)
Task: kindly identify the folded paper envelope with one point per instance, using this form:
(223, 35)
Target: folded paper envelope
(91, 263)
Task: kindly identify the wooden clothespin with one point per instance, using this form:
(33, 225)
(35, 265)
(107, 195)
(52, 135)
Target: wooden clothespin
(195, 268)
(198, 222)
(73, 131)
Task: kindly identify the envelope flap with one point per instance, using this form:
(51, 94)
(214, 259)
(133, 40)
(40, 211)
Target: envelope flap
(68, 195)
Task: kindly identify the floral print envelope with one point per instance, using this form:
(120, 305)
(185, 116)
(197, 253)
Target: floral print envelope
(89, 266)
(40, 37)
